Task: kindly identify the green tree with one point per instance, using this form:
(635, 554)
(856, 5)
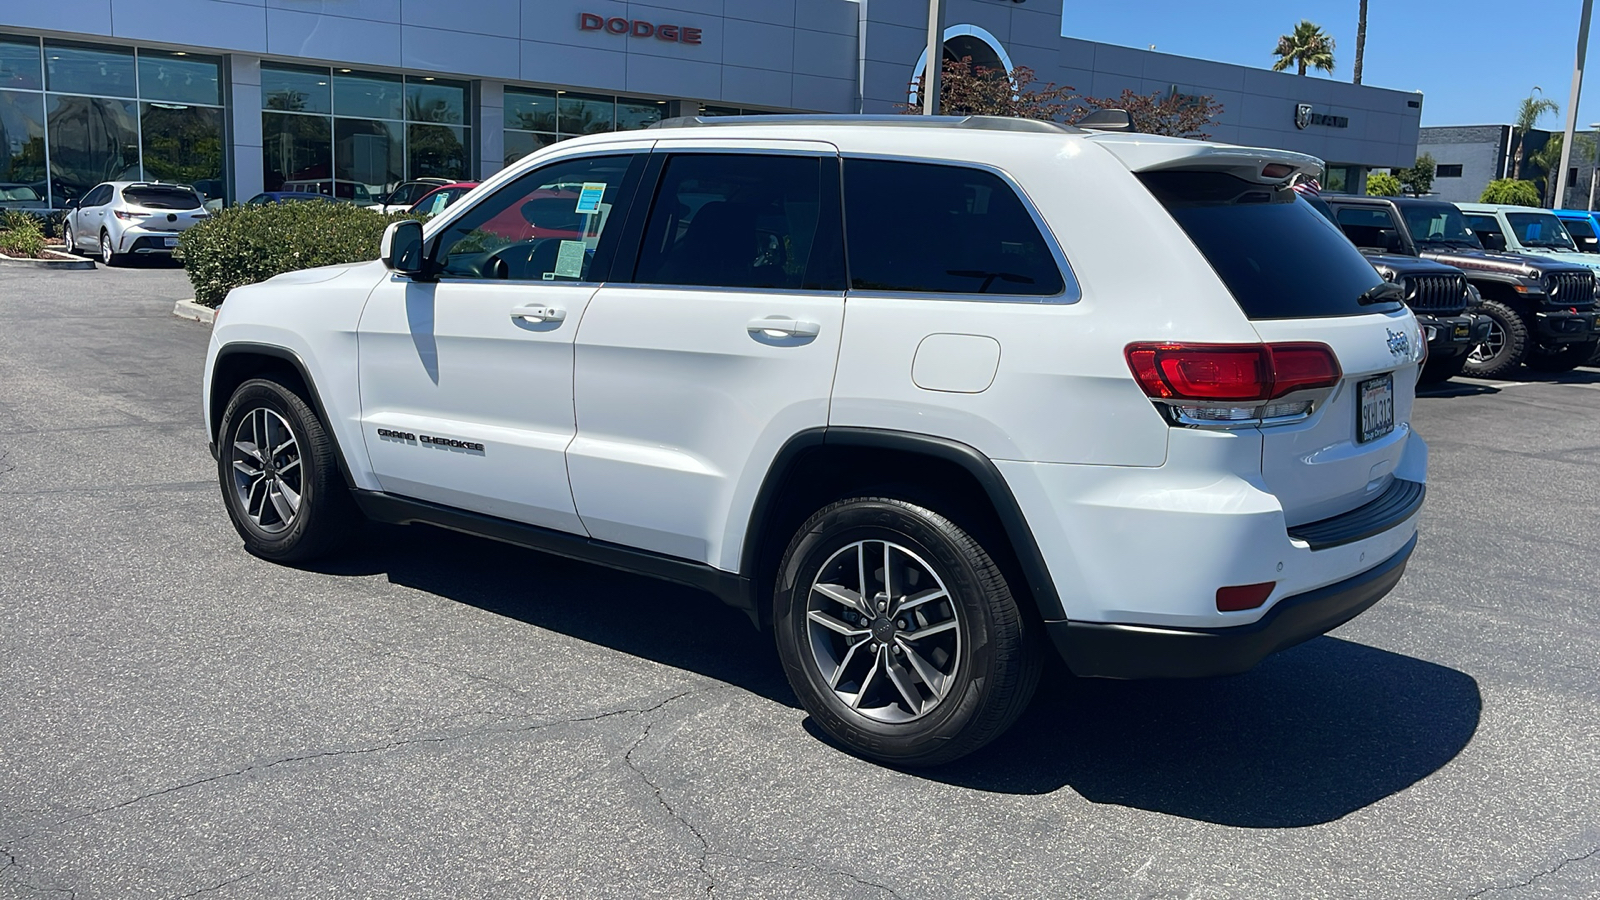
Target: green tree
(1549, 156)
(1307, 45)
(1418, 178)
(1511, 190)
(1382, 184)
(1529, 112)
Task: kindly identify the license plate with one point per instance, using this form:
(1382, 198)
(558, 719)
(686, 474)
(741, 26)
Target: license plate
(1375, 414)
(171, 241)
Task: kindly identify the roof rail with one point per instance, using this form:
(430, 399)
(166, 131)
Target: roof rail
(985, 123)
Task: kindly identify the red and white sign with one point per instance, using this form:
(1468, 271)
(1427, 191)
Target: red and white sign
(639, 28)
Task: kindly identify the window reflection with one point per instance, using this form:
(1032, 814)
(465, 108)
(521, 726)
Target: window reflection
(633, 114)
(179, 78)
(367, 95)
(75, 69)
(586, 114)
(522, 143)
(437, 150)
(296, 89)
(530, 110)
(368, 158)
(432, 100)
(92, 139)
(184, 144)
(296, 148)
(20, 67)
(22, 164)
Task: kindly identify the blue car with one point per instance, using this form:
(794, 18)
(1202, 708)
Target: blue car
(1583, 227)
(283, 197)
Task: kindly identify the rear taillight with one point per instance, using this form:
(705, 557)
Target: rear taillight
(125, 215)
(1234, 384)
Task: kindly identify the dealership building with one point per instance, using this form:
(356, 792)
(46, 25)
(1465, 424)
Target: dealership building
(240, 96)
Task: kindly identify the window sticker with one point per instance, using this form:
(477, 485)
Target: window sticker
(569, 261)
(589, 197)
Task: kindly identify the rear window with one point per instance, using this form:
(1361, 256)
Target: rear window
(1579, 228)
(1280, 259)
(162, 197)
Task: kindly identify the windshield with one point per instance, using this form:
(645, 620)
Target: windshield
(19, 193)
(1540, 230)
(1280, 259)
(162, 197)
(1437, 223)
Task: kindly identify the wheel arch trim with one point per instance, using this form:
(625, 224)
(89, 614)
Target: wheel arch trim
(983, 470)
(283, 354)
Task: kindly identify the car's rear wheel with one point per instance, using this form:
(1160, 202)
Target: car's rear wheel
(279, 475)
(68, 238)
(1562, 359)
(1506, 346)
(108, 251)
(899, 633)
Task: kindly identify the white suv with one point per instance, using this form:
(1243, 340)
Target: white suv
(925, 396)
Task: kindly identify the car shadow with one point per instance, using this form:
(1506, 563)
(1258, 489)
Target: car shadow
(1456, 388)
(1310, 735)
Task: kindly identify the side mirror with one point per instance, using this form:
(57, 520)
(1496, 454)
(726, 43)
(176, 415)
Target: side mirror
(402, 249)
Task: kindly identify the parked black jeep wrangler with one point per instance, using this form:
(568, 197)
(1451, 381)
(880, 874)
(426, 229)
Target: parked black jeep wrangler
(1541, 311)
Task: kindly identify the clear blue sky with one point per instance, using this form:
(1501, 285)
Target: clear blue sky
(1411, 45)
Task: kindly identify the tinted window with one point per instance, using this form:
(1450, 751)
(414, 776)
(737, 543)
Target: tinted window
(1447, 170)
(1542, 230)
(742, 221)
(1579, 228)
(295, 89)
(99, 196)
(1437, 223)
(545, 226)
(1486, 229)
(76, 69)
(1279, 259)
(154, 197)
(937, 229)
(19, 63)
(1371, 227)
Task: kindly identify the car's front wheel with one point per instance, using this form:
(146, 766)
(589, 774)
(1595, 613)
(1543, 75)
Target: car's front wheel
(1505, 347)
(900, 634)
(279, 475)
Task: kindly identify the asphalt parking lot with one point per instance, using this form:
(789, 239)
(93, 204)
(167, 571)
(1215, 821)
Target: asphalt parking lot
(438, 716)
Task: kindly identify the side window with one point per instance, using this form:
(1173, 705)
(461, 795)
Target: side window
(928, 228)
(100, 196)
(1487, 228)
(744, 221)
(545, 226)
(1373, 228)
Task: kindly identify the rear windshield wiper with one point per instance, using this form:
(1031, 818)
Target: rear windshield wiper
(1383, 292)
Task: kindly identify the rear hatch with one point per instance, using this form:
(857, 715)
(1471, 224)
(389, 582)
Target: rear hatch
(162, 207)
(1299, 280)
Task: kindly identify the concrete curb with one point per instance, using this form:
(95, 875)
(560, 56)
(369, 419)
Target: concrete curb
(72, 264)
(188, 309)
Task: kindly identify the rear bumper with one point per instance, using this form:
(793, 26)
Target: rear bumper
(1564, 327)
(1108, 650)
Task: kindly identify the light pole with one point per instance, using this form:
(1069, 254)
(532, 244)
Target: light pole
(1572, 104)
(930, 75)
(1594, 173)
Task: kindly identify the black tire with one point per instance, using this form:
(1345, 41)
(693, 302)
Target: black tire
(323, 517)
(1507, 346)
(109, 256)
(68, 238)
(1563, 358)
(990, 667)
(1437, 371)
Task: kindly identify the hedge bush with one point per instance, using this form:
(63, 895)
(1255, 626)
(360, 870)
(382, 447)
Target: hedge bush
(21, 235)
(1511, 190)
(247, 244)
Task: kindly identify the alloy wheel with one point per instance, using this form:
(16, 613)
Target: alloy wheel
(883, 631)
(268, 478)
(106, 253)
(1492, 346)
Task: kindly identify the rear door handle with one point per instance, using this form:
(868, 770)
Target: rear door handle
(782, 326)
(531, 313)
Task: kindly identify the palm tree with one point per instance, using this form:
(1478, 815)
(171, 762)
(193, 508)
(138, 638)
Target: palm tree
(1361, 39)
(1308, 45)
(1529, 112)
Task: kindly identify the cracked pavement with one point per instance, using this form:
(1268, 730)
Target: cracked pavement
(436, 716)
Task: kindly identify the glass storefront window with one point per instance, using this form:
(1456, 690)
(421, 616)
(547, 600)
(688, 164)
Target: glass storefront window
(367, 95)
(585, 114)
(437, 150)
(78, 69)
(527, 110)
(184, 144)
(521, 143)
(294, 89)
(178, 77)
(20, 68)
(368, 158)
(296, 148)
(633, 113)
(92, 139)
(22, 164)
(436, 100)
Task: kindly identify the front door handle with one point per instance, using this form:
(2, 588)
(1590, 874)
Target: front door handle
(531, 313)
(782, 326)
